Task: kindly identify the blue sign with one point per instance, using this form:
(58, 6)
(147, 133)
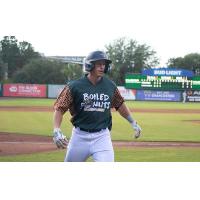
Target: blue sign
(151, 95)
(168, 72)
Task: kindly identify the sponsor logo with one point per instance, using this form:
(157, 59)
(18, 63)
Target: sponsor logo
(13, 89)
(95, 102)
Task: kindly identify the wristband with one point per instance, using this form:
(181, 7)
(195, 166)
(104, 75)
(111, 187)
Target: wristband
(130, 119)
(56, 130)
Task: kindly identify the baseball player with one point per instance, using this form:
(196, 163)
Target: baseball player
(184, 94)
(89, 101)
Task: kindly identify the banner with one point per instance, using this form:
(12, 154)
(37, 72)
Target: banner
(127, 94)
(192, 96)
(24, 90)
(168, 72)
(150, 95)
(54, 90)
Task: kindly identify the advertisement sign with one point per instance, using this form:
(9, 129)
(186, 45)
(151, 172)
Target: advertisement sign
(193, 96)
(54, 90)
(127, 94)
(168, 72)
(24, 90)
(150, 95)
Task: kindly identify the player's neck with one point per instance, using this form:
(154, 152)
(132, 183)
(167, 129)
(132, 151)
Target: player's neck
(94, 79)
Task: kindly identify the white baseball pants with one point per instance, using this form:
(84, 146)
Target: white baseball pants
(82, 145)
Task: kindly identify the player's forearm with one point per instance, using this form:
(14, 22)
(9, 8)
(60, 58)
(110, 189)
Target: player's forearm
(124, 112)
(57, 119)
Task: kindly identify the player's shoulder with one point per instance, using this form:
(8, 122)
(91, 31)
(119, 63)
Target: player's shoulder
(74, 83)
(106, 80)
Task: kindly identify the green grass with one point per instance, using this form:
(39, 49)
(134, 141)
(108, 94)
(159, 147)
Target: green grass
(162, 105)
(121, 155)
(156, 127)
(26, 102)
(157, 155)
(39, 123)
(131, 104)
(56, 156)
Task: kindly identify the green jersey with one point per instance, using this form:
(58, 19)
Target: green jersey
(92, 103)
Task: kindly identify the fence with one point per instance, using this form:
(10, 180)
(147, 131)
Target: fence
(52, 91)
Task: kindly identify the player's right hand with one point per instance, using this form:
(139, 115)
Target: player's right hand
(59, 139)
(137, 129)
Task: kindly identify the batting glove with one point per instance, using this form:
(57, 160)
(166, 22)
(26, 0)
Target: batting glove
(137, 129)
(59, 139)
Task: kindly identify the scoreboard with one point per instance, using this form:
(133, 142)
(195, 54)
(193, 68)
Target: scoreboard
(138, 81)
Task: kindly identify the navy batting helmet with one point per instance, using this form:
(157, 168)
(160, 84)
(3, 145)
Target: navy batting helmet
(95, 56)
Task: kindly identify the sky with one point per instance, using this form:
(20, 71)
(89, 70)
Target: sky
(77, 27)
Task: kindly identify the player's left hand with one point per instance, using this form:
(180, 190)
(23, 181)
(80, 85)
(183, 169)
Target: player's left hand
(137, 129)
(59, 138)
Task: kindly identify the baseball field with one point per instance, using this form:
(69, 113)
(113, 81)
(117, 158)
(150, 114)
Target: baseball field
(171, 132)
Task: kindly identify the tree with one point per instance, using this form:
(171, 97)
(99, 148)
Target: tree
(189, 62)
(10, 53)
(41, 71)
(129, 57)
(73, 71)
(26, 53)
(2, 69)
(16, 54)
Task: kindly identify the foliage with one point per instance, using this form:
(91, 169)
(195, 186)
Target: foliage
(16, 54)
(22, 64)
(41, 71)
(2, 69)
(129, 57)
(189, 62)
(18, 62)
(73, 71)
(44, 71)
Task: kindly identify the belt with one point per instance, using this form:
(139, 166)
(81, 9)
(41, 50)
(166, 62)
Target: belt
(89, 130)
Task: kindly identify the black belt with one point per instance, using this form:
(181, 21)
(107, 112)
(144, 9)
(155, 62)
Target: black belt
(89, 130)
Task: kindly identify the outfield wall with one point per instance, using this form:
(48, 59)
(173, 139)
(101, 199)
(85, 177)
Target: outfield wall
(52, 91)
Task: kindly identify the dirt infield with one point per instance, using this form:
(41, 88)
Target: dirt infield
(16, 144)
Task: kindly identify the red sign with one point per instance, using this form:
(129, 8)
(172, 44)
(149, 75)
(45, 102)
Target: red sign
(24, 90)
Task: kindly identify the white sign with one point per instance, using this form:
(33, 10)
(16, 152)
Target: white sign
(127, 94)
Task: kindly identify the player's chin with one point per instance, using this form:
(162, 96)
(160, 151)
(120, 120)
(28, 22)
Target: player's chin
(100, 74)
